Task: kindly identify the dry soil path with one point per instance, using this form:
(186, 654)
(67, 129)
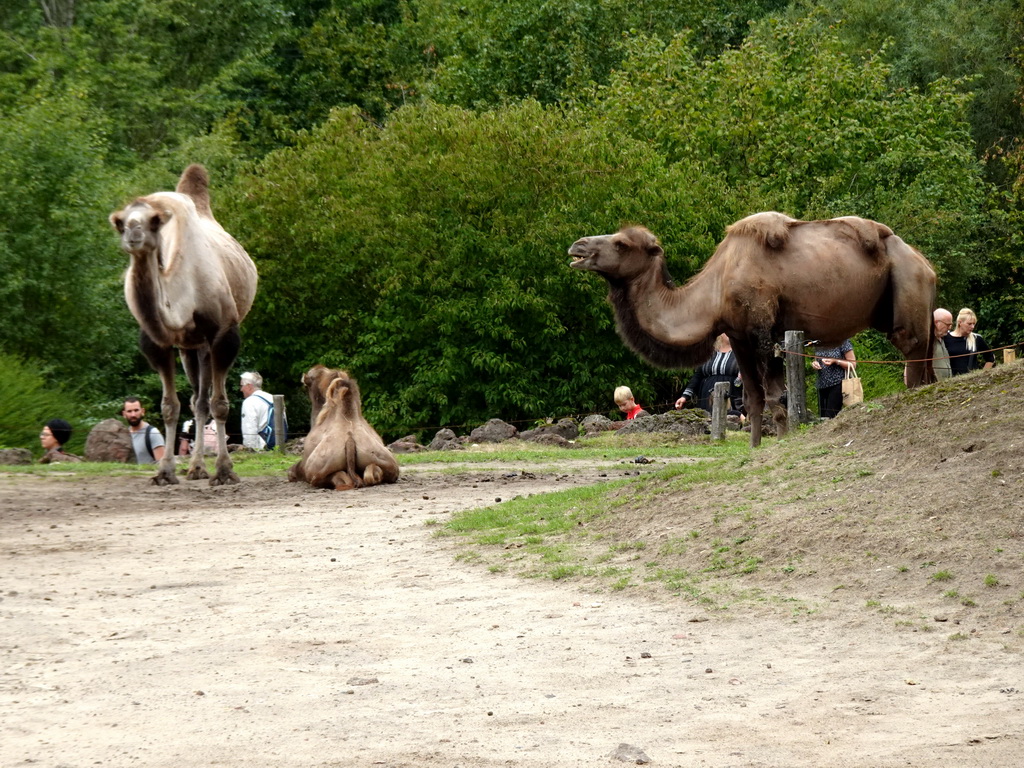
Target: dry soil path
(272, 625)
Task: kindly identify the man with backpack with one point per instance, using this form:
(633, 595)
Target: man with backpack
(258, 415)
(146, 439)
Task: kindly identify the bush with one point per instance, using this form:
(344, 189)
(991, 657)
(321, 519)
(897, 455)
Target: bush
(29, 402)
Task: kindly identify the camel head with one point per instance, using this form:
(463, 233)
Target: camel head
(627, 254)
(316, 380)
(139, 225)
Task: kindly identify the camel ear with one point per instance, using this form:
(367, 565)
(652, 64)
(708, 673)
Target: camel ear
(654, 251)
(117, 222)
(156, 221)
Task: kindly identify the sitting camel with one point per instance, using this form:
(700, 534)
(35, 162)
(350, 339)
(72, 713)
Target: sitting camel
(771, 274)
(189, 285)
(342, 450)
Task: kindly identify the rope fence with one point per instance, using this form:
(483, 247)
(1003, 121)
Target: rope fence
(661, 407)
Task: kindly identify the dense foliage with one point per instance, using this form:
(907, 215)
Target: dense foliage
(408, 174)
(29, 401)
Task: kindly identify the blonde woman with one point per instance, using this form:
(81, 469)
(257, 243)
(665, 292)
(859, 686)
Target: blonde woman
(964, 345)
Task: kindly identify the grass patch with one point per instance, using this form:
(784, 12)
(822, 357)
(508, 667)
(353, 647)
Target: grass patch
(608, 446)
(531, 520)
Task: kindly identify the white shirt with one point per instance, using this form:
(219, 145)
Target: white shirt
(255, 417)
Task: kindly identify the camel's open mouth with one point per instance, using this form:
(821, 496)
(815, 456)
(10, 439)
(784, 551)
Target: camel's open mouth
(579, 259)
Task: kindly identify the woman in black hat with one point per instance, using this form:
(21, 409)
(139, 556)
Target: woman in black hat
(55, 433)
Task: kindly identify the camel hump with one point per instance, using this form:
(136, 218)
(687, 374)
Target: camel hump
(195, 182)
(866, 233)
(769, 228)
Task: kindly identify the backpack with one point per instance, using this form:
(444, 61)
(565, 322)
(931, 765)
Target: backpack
(271, 439)
(149, 441)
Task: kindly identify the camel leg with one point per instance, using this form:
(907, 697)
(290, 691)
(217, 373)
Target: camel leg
(297, 472)
(753, 388)
(342, 480)
(774, 386)
(162, 359)
(195, 363)
(373, 475)
(223, 352)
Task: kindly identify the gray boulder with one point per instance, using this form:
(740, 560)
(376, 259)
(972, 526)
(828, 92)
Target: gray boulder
(445, 440)
(110, 441)
(15, 456)
(494, 431)
(692, 421)
(565, 429)
(406, 444)
(595, 423)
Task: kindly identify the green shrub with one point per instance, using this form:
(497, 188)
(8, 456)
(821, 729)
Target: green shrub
(29, 402)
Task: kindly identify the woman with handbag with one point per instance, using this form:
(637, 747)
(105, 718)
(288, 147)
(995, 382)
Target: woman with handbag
(832, 364)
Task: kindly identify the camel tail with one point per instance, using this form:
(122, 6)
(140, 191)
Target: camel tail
(195, 182)
(770, 229)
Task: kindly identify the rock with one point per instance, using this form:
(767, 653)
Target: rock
(445, 440)
(406, 444)
(550, 438)
(596, 423)
(111, 441)
(691, 421)
(564, 428)
(362, 681)
(15, 456)
(494, 431)
(627, 753)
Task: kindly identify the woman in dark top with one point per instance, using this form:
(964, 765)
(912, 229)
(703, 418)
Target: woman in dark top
(832, 363)
(964, 345)
(721, 367)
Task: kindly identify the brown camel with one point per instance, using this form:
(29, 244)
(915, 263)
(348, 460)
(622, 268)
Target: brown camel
(770, 274)
(189, 285)
(342, 450)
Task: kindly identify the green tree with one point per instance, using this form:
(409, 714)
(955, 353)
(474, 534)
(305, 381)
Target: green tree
(60, 286)
(793, 123)
(927, 40)
(490, 52)
(429, 258)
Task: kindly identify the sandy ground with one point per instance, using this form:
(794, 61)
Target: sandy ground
(269, 624)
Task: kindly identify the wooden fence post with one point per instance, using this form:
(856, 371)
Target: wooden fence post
(796, 392)
(279, 421)
(719, 409)
(1009, 355)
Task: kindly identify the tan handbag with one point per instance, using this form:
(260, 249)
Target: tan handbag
(853, 389)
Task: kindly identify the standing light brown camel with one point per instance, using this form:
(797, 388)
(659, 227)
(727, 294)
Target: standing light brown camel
(770, 274)
(189, 285)
(342, 450)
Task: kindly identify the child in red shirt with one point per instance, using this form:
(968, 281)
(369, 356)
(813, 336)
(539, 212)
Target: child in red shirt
(624, 399)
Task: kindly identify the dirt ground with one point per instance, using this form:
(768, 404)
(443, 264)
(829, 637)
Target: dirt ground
(269, 624)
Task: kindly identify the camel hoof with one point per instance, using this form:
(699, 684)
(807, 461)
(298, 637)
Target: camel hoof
(224, 478)
(165, 478)
(197, 473)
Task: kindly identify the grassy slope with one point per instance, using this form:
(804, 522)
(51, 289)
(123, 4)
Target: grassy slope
(910, 507)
